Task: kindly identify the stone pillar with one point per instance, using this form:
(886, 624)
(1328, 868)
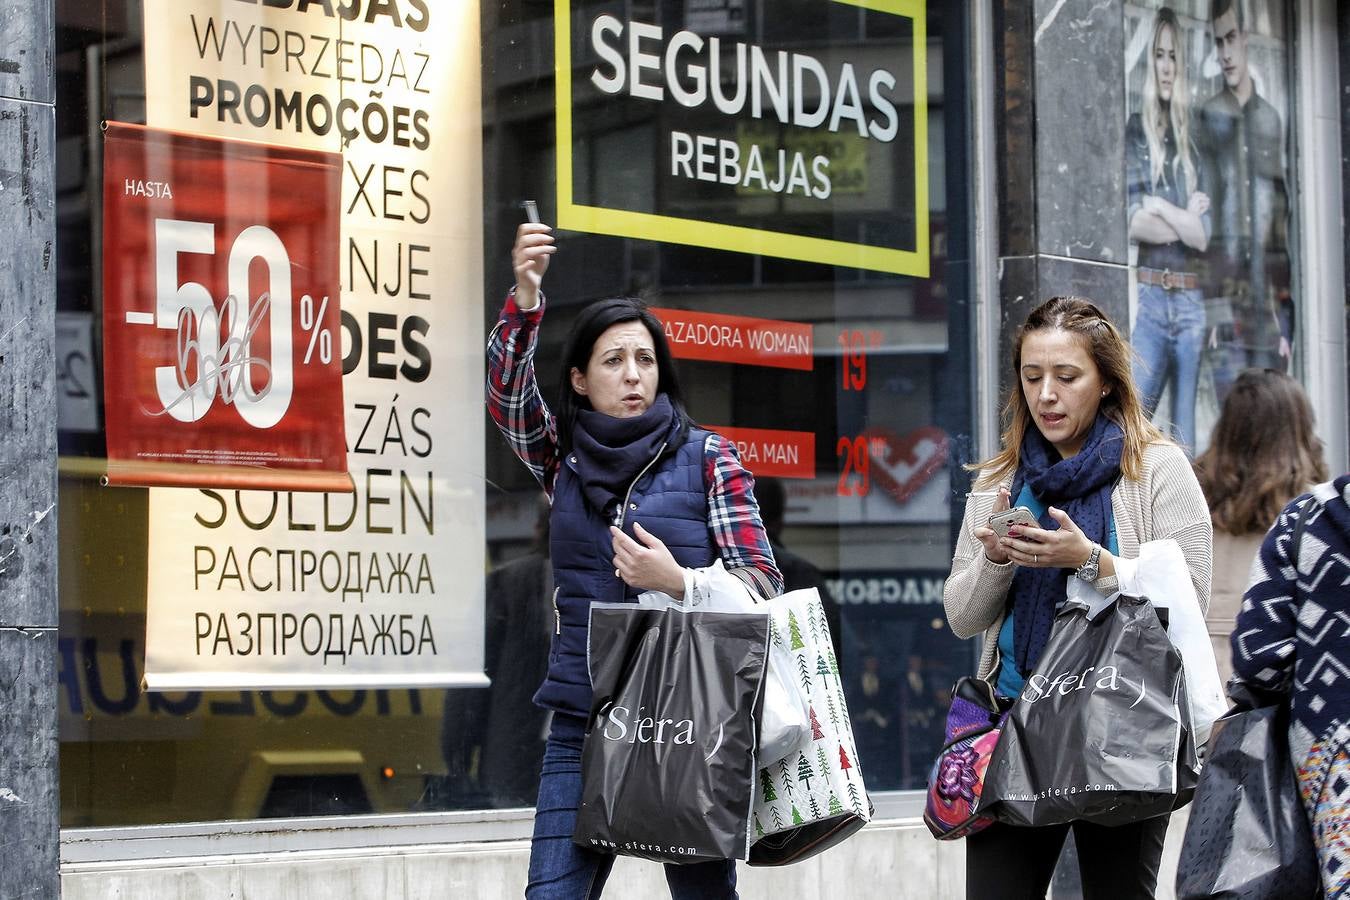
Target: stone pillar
(29, 810)
(1060, 120)
(1343, 45)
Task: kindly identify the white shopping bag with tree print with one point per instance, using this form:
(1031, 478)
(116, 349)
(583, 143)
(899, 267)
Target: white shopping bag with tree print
(812, 797)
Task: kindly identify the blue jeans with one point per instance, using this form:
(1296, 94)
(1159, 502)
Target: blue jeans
(562, 870)
(1169, 336)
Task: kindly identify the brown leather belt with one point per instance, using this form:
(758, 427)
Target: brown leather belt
(1169, 280)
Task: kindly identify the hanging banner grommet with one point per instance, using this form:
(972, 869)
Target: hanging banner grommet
(221, 327)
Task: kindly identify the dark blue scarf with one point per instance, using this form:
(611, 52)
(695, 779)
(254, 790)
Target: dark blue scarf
(610, 452)
(1081, 486)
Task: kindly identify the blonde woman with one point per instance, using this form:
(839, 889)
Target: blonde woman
(1080, 454)
(1169, 219)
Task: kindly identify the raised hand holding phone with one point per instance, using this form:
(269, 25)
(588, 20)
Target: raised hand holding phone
(529, 257)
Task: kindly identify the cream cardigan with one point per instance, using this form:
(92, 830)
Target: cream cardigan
(1165, 503)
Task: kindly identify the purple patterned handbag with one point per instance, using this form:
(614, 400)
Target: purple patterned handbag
(974, 723)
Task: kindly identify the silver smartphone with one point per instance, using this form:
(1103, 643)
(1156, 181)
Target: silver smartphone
(1012, 518)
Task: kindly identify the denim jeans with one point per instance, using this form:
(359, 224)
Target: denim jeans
(562, 870)
(1168, 338)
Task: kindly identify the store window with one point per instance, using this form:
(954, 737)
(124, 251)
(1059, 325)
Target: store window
(848, 254)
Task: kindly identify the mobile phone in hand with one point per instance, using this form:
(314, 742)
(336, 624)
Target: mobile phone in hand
(531, 211)
(1012, 518)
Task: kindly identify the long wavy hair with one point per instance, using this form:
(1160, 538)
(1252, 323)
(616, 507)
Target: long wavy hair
(592, 322)
(1156, 118)
(1112, 355)
(1262, 453)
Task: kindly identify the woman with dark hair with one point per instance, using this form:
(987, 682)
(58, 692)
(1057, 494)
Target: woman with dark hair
(640, 497)
(1169, 220)
(1262, 453)
(1080, 453)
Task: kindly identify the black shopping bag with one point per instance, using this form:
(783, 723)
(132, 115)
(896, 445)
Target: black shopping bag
(1248, 835)
(668, 765)
(1101, 730)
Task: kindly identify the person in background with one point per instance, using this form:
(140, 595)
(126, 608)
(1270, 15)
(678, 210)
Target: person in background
(1079, 452)
(1293, 637)
(798, 571)
(640, 496)
(493, 737)
(1263, 452)
(1169, 219)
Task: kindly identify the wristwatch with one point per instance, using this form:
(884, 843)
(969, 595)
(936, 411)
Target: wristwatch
(1088, 571)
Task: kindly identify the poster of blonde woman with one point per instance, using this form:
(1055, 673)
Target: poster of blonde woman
(1205, 162)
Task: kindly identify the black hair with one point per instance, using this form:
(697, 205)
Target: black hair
(1219, 7)
(592, 322)
(771, 496)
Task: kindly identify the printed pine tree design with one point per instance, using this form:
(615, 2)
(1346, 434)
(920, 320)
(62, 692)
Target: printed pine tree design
(804, 770)
(774, 634)
(778, 818)
(834, 663)
(834, 716)
(853, 800)
(816, 733)
(822, 669)
(797, 817)
(824, 762)
(836, 808)
(818, 614)
(786, 776)
(811, 620)
(766, 783)
(815, 809)
(794, 632)
(803, 673)
(844, 762)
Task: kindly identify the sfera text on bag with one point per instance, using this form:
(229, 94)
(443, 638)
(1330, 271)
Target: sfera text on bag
(1040, 686)
(621, 723)
(639, 847)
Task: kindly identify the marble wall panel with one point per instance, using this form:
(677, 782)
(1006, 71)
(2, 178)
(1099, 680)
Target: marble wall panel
(28, 783)
(27, 38)
(27, 368)
(1079, 129)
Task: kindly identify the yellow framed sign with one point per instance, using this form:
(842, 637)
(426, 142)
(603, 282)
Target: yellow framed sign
(808, 150)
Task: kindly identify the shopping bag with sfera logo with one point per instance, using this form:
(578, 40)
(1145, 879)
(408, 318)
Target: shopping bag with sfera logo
(668, 763)
(812, 797)
(1100, 732)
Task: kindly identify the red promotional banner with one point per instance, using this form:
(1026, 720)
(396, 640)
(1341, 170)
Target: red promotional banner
(773, 453)
(737, 339)
(222, 356)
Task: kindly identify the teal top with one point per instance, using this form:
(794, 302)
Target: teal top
(1010, 680)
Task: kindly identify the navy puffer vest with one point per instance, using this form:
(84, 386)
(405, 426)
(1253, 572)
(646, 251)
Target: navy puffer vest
(670, 501)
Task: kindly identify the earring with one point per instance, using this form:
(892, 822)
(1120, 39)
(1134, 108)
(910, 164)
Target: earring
(1104, 393)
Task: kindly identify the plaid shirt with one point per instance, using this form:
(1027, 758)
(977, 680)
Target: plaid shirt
(522, 416)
